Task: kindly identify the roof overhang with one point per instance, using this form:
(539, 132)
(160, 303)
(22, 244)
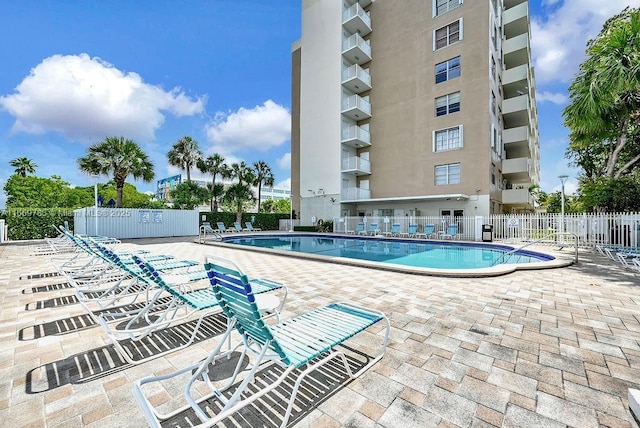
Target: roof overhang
(424, 198)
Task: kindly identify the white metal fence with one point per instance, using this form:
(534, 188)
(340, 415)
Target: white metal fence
(608, 229)
(135, 223)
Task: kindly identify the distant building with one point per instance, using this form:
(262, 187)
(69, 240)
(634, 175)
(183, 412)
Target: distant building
(165, 185)
(413, 107)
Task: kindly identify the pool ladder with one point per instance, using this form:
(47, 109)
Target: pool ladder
(204, 231)
(550, 235)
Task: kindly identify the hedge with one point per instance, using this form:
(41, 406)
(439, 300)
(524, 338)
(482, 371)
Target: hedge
(264, 221)
(35, 223)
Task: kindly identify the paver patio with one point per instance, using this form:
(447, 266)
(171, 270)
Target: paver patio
(542, 348)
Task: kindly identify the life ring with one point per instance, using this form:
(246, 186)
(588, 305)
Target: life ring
(319, 222)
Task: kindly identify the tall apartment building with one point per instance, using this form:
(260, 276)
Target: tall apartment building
(413, 107)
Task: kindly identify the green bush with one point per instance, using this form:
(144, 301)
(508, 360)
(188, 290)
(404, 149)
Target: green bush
(36, 223)
(264, 221)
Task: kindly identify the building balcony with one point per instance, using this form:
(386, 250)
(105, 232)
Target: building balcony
(518, 169)
(363, 3)
(518, 196)
(355, 136)
(516, 111)
(518, 81)
(516, 51)
(356, 79)
(516, 141)
(356, 20)
(356, 165)
(516, 20)
(508, 4)
(355, 107)
(356, 49)
(354, 194)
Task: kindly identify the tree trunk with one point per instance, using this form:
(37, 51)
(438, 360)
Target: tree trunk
(613, 157)
(119, 190)
(259, 194)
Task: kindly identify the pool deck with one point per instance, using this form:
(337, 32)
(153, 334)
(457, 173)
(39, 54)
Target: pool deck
(534, 348)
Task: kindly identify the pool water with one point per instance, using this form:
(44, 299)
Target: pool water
(423, 254)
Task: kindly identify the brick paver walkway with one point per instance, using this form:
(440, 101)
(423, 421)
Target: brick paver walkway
(544, 348)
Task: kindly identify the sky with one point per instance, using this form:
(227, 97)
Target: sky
(74, 72)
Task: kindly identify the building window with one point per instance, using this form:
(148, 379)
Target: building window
(447, 35)
(447, 139)
(494, 38)
(443, 6)
(448, 104)
(493, 103)
(493, 68)
(448, 70)
(447, 174)
(493, 174)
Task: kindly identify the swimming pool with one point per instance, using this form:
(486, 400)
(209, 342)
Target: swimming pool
(422, 256)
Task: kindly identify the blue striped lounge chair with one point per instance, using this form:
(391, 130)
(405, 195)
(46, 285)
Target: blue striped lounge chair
(452, 232)
(360, 229)
(173, 299)
(305, 343)
(222, 228)
(373, 229)
(250, 228)
(411, 231)
(394, 231)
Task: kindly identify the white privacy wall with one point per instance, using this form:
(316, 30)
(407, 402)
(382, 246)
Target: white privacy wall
(135, 223)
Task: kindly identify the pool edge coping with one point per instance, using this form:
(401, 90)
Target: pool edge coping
(559, 260)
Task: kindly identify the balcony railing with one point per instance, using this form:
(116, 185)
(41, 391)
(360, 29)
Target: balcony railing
(356, 49)
(356, 79)
(355, 194)
(356, 165)
(356, 136)
(355, 107)
(356, 20)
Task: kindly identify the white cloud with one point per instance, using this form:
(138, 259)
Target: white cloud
(86, 98)
(552, 97)
(260, 128)
(284, 184)
(559, 38)
(285, 161)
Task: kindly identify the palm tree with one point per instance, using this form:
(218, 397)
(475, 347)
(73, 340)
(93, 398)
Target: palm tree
(215, 166)
(238, 195)
(185, 154)
(23, 166)
(120, 158)
(605, 99)
(243, 173)
(263, 175)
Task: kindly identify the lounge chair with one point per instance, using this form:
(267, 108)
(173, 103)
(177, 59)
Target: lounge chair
(430, 231)
(411, 231)
(625, 261)
(451, 233)
(373, 229)
(306, 342)
(222, 228)
(360, 229)
(127, 287)
(395, 230)
(238, 227)
(183, 302)
(250, 227)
